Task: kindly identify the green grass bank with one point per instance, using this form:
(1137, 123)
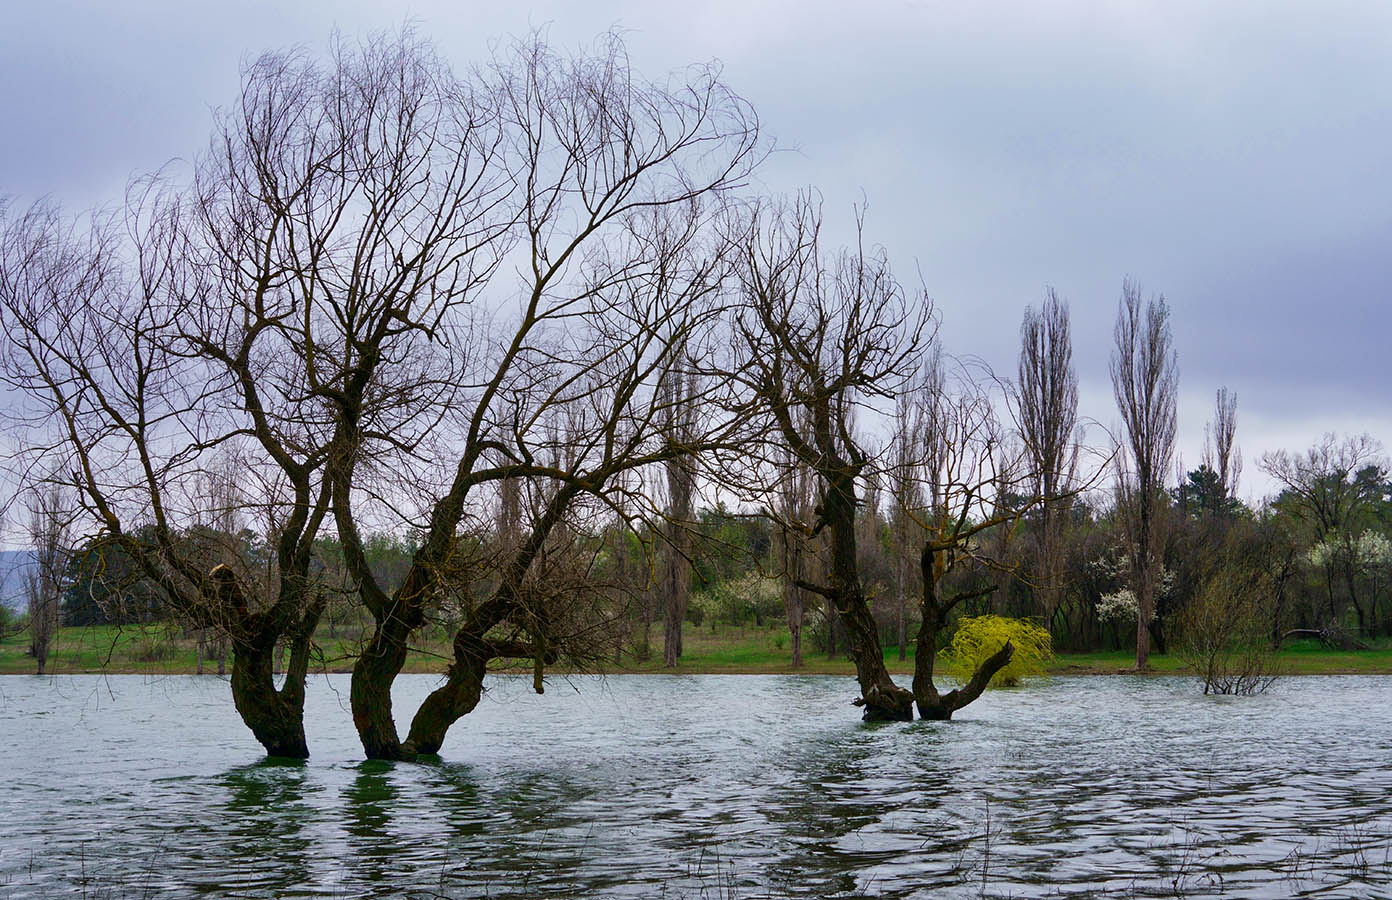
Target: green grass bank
(723, 650)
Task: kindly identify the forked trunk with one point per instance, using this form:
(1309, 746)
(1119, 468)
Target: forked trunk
(931, 704)
(883, 700)
(370, 692)
(275, 717)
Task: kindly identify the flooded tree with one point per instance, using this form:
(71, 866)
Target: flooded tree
(612, 182)
(972, 487)
(821, 333)
(824, 334)
(325, 299)
(108, 329)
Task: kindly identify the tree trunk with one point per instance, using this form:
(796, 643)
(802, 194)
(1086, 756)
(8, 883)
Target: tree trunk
(370, 692)
(1350, 580)
(672, 634)
(1142, 639)
(449, 702)
(680, 487)
(275, 717)
(931, 704)
(794, 597)
(830, 630)
(642, 647)
(677, 589)
(795, 630)
(1144, 571)
(882, 699)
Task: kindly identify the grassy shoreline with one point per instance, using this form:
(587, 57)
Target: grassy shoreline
(725, 650)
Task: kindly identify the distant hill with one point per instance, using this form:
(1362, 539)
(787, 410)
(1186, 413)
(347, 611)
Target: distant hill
(14, 566)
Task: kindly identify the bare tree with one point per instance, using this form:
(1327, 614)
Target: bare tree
(615, 180)
(680, 425)
(50, 512)
(1220, 453)
(327, 300)
(1145, 381)
(823, 333)
(340, 210)
(1048, 417)
(968, 478)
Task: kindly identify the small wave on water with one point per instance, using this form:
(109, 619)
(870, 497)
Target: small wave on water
(707, 786)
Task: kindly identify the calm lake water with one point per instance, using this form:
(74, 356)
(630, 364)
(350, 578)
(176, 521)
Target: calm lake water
(706, 786)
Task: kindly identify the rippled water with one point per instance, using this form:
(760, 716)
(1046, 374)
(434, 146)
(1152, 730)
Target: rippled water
(706, 786)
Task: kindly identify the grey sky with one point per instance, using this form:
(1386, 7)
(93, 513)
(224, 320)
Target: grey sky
(1233, 156)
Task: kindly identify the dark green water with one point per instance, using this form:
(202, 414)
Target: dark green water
(706, 786)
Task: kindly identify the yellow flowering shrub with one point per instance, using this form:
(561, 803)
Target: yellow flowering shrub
(979, 637)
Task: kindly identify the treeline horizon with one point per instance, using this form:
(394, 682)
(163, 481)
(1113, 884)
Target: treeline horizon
(736, 580)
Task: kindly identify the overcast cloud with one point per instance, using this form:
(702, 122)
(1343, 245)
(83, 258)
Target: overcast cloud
(1233, 156)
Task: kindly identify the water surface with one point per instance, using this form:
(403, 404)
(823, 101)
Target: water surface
(705, 786)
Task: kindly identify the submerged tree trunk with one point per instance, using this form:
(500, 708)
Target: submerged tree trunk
(463, 687)
(275, 716)
(882, 699)
(370, 692)
(452, 700)
(934, 609)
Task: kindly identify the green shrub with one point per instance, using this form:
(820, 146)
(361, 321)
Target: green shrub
(153, 648)
(1222, 632)
(979, 637)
